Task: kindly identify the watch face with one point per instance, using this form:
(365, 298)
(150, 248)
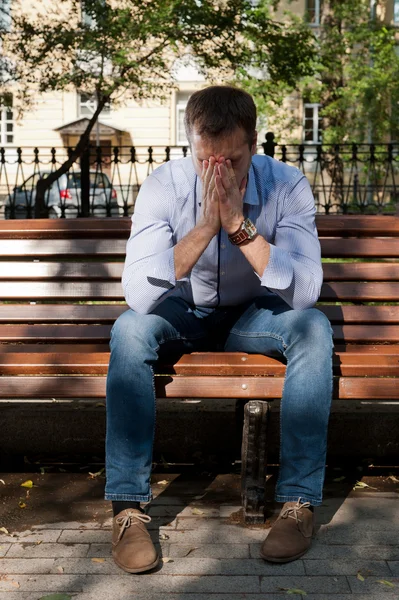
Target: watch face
(250, 228)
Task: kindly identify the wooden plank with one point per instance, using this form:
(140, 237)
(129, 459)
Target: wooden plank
(100, 333)
(59, 313)
(359, 314)
(361, 271)
(360, 291)
(350, 388)
(215, 364)
(55, 333)
(357, 225)
(60, 290)
(65, 228)
(360, 248)
(108, 313)
(38, 271)
(107, 248)
(28, 348)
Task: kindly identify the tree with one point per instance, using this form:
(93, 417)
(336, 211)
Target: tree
(355, 76)
(124, 49)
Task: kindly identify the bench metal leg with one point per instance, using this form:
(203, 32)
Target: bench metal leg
(253, 457)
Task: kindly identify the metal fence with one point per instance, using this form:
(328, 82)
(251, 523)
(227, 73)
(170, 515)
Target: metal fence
(346, 178)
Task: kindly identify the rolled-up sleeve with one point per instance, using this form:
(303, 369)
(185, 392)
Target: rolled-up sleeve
(149, 271)
(294, 270)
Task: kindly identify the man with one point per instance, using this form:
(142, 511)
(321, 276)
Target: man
(223, 254)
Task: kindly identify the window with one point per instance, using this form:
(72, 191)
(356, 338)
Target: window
(5, 15)
(6, 121)
(88, 104)
(312, 12)
(396, 11)
(312, 124)
(181, 103)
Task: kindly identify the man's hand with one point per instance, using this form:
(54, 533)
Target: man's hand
(230, 196)
(210, 216)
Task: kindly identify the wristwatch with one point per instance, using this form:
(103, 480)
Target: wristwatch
(247, 231)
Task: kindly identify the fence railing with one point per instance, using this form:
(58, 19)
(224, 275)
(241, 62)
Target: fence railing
(346, 178)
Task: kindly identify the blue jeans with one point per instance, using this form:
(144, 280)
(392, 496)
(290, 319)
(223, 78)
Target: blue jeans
(266, 325)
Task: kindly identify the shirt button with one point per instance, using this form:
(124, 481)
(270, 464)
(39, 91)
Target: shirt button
(223, 246)
(222, 272)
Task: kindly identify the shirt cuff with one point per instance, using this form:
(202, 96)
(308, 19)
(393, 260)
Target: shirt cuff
(163, 273)
(279, 270)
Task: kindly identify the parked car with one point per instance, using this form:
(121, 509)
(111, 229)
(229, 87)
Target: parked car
(63, 198)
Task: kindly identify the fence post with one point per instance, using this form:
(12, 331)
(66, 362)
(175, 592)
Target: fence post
(85, 181)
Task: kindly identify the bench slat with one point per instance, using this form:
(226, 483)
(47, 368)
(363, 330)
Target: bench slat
(44, 271)
(345, 388)
(331, 248)
(96, 363)
(107, 313)
(327, 225)
(100, 333)
(360, 291)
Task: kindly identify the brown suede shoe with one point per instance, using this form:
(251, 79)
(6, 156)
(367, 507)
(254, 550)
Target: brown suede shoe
(132, 547)
(291, 535)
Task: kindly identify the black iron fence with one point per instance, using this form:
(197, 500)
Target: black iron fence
(346, 178)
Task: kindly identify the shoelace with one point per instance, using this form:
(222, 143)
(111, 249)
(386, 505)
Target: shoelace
(294, 509)
(127, 520)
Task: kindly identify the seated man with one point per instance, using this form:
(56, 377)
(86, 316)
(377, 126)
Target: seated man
(223, 254)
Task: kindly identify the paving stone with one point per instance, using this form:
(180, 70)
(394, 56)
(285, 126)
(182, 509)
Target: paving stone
(31, 536)
(190, 566)
(372, 586)
(26, 565)
(192, 511)
(321, 551)
(4, 549)
(44, 583)
(394, 567)
(209, 551)
(346, 597)
(20, 595)
(226, 510)
(347, 567)
(156, 583)
(47, 550)
(81, 536)
(68, 525)
(185, 596)
(85, 565)
(315, 585)
(253, 566)
(221, 534)
(356, 535)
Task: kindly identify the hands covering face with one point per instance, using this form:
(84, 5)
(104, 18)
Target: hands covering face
(222, 198)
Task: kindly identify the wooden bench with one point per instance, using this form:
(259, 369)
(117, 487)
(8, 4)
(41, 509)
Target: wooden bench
(55, 346)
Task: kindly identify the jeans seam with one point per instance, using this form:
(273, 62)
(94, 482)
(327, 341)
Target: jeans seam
(256, 334)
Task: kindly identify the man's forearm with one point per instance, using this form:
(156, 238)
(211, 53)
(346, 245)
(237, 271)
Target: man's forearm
(257, 253)
(190, 248)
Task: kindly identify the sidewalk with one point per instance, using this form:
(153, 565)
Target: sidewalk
(60, 543)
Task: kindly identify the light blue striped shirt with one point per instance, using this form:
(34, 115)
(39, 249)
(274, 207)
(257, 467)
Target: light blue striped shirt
(278, 199)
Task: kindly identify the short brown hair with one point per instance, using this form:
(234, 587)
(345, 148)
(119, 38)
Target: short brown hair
(218, 110)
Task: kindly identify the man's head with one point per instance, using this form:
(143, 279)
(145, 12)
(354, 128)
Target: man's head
(220, 121)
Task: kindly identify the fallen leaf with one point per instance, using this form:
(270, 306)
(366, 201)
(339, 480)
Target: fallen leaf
(38, 542)
(100, 404)
(56, 597)
(338, 479)
(294, 591)
(98, 560)
(94, 475)
(15, 584)
(360, 576)
(21, 504)
(166, 559)
(391, 477)
(360, 484)
(62, 470)
(200, 497)
(163, 536)
(191, 550)
(385, 582)
(27, 484)
(163, 482)
(2, 481)
(60, 569)
(197, 511)
(4, 530)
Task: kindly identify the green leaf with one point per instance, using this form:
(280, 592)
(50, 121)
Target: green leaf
(294, 591)
(385, 582)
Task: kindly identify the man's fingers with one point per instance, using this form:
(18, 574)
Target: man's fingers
(221, 190)
(225, 177)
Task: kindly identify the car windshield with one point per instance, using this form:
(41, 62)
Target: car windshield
(97, 180)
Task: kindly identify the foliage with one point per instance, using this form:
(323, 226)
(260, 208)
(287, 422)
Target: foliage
(355, 77)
